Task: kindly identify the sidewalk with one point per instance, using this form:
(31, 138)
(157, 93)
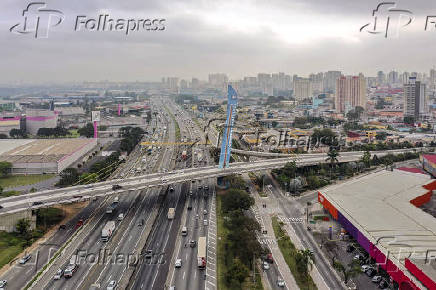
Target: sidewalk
(277, 254)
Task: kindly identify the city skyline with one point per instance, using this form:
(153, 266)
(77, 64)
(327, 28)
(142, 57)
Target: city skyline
(200, 38)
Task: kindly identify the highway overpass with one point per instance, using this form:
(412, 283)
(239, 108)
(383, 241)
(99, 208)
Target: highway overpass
(11, 205)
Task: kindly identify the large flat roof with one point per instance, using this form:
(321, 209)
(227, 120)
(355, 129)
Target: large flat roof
(39, 150)
(379, 206)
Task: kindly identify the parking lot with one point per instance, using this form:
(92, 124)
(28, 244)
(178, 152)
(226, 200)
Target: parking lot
(344, 249)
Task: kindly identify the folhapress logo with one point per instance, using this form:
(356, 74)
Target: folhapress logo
(38, 20)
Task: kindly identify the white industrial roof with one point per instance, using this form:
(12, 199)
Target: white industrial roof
(379, 206)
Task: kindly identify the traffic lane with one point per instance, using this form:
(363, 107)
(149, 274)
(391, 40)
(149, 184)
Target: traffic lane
(290, 208)
(162, 269)
(128, 225)
(145, 273)
(92, 246)
(183, 277)
(18, 274)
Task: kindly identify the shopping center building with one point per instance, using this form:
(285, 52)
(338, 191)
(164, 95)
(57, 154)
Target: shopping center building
(381, 211)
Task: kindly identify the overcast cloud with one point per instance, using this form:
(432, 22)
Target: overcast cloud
(239, 38)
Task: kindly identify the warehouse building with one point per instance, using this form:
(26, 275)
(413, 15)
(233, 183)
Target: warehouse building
(381, 212)
(36, 119)
(41, 156)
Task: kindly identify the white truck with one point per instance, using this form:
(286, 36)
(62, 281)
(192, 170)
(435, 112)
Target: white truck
(201, 255)
(107, 231)
(171, 213)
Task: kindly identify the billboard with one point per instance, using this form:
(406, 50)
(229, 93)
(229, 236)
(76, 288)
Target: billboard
(95, 116)
(226, 145)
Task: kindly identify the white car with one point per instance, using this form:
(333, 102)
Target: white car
(112, 285)
(178, 263)
(265, 266)
(58, 274)
(24, 259)
(120, 217)
(3, 284)
(280, 282)
(366, 268)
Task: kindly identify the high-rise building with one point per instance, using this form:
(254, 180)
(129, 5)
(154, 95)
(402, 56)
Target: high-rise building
(218, 80)
(393, 77)
(381, 78)
(302, 89)
(433, 77)
(330, 78)
(415, 100)
(350, 93)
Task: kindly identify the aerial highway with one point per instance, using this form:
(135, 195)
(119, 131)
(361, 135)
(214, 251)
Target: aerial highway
(130, 184)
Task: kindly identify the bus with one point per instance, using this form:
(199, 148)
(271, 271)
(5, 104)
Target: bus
(201, 255)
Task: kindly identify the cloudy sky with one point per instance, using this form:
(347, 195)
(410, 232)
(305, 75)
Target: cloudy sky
(239, 38)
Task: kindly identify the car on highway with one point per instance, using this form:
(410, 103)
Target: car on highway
(141, 223)
(149, 254)
(62, 227)
(58, 274)
(120, 217)
(3, 284)
(178, 263)
(280, 282)
(112, 285)
(192, 243)
(116, 187)
(37, 203)
(205, 222)
(70, 270)
(205, 212)
(24, 259)
(265, 266)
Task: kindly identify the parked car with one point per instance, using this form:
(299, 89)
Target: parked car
(383, 284)
(24, 259)
(120, 217)
(178, 263)
(376, 279)
(3, 284)
(365, 268)
(371, 272)
(62, 227)
(350, 248)
(280, 282)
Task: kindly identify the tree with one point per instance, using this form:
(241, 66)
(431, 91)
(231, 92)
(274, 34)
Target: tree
(366, 158)
(5, 168)
(87, 130)
(68, 176)
(236, 274)
(409, 120)
(18, 133)
(324, 136)
(305, 259)
(332, 158)
(236, 199)
(351, 271)
(23, 228)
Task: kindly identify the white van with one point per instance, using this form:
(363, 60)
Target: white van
(184, 231)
